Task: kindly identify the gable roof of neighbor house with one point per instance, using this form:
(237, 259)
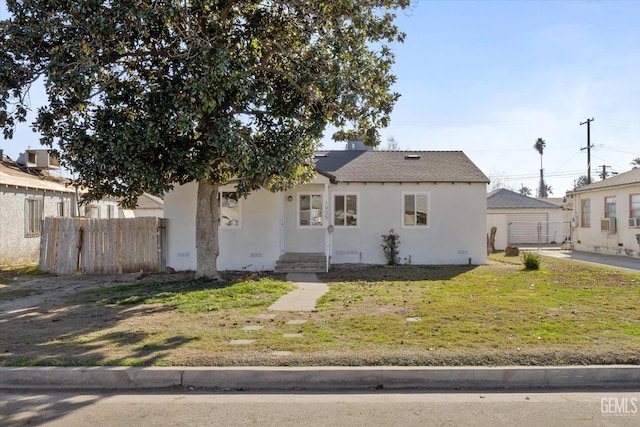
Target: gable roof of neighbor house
(149, 201)
(12, 175)
(398, 166)
(507, 199)
(631, 177)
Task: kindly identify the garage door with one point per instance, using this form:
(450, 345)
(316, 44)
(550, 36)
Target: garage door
(527, 228)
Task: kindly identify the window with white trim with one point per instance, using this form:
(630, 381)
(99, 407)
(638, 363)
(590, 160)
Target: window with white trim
(634, 206)
(415, 209)
(33, 216)
(609, 207)
(63, 208)
(230, 211)
(92, 211)
(310, 210)
(345, 210)
(585, 214)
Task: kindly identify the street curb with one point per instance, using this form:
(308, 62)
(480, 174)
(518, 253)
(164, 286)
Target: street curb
(324, 378)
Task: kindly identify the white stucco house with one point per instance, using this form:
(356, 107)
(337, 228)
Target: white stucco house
(434, 200)
(523, 220)
(607, 215)
(28, 193)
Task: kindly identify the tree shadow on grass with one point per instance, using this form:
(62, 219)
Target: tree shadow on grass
(86, 323)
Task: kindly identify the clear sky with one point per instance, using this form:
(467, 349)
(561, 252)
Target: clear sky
(490, 77)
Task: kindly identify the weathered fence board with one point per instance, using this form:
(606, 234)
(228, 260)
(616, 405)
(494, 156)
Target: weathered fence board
(102, 246)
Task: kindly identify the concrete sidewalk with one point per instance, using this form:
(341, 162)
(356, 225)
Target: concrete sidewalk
(305, 297)
(615, 377)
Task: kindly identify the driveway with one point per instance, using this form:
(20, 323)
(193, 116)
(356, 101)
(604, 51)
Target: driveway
(620, 261)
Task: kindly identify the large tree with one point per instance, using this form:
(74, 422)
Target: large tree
(143, 94)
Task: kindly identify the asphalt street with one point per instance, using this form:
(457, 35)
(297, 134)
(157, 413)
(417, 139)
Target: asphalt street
(194, 408)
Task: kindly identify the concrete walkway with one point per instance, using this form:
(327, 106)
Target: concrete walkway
(305, 297)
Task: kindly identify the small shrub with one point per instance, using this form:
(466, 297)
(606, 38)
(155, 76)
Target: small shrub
(531, 260)
(390, 244)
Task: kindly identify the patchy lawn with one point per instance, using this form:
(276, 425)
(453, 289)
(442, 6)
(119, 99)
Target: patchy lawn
(499, 314)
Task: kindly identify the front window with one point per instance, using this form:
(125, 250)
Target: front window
(585, 217)
(33, 216)
(416, 210)
(92, 211)
(229, 209)
(634, 206)
(310, 210)
(345, 210)
(63, 208)
(609, 207)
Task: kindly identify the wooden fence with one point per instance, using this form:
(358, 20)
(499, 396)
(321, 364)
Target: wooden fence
(102, 246)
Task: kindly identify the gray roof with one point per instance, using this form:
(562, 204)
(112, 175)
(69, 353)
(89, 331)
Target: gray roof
(507, 199)
(399, 166)
(631, 177)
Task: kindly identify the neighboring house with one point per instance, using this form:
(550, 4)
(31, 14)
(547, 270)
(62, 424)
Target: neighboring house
(148, 205)
(434, 200)
(607, 215)
(28, 193)
(523, 220)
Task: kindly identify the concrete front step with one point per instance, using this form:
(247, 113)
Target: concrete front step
(301, 262)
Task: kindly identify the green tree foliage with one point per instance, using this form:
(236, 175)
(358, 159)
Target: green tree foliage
(144, 94)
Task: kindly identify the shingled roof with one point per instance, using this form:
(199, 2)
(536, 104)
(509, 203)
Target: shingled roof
(399, 166)
(507, 199)
(631, 177)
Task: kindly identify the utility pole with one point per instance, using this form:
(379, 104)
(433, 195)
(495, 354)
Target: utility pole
(604, 174)
(588, 148)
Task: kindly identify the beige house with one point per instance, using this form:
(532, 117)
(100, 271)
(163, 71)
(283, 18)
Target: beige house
(434, 200)
(28, 193)
(607, 215)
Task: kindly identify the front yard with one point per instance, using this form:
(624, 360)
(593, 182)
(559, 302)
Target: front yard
(498, 314)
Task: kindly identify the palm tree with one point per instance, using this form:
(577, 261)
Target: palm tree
(635, 162)
(539, 146)
(548, 189)
(525, 191)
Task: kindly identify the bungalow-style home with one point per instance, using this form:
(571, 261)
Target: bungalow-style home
(607, 215)
(28, 193)
(523, 220)
(434, 200)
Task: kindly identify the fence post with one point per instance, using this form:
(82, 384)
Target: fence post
(162, 228)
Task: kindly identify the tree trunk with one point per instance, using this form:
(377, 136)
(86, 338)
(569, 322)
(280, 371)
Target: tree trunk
(207, 220)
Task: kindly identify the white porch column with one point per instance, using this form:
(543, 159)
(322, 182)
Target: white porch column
(282, 246)
(327, 224)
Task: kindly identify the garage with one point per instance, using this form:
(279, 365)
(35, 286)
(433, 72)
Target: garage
(528, 228)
